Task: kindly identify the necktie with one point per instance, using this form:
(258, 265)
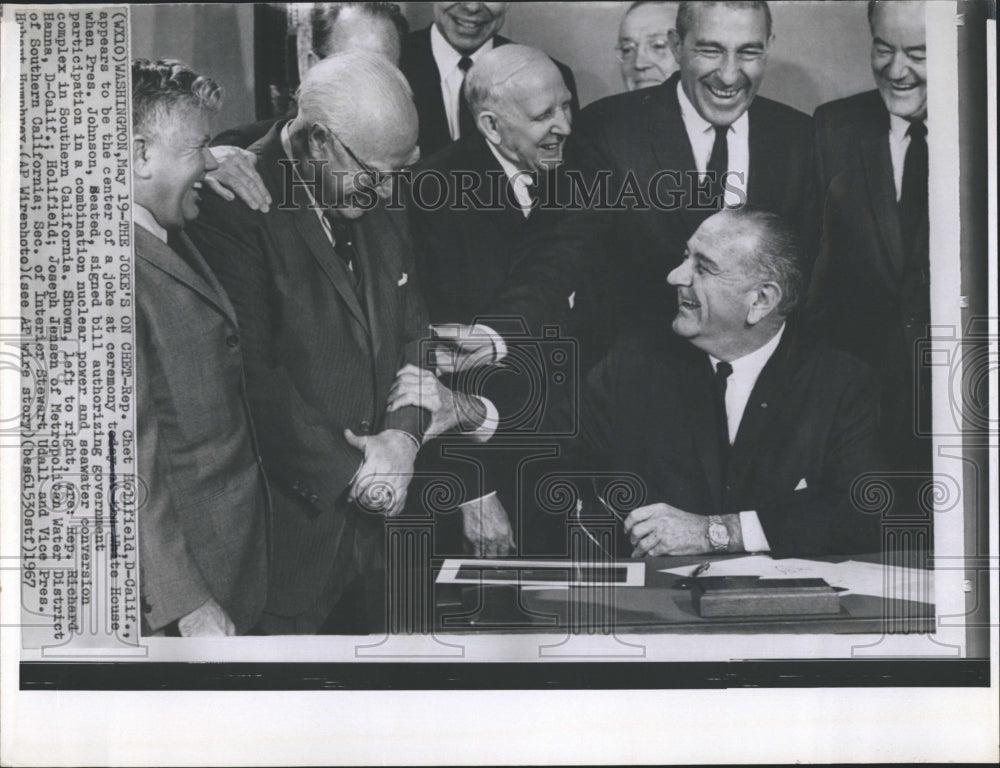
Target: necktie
(718, 163)
(722, 373)
(343, 246)
(912, 204)
(466, 123)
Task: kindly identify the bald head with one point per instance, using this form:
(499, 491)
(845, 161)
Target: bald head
(521, 105)
(362, 98)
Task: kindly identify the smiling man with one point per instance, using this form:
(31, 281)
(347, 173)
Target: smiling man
(202, 527)
(745, 438)
(330, 309)
(436, 60)
(675, 143)
(466, 247)
(871, 292)
(644, 44)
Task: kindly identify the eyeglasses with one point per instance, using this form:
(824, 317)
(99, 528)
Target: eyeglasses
(655, 48)
(368, 177)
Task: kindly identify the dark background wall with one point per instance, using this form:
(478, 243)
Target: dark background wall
(820, 50)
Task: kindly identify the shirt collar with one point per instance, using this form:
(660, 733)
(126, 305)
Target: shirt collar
(695, 123)
(144, 218)
(515, 174)
(447, 58)
(749, 366)
(898, 126)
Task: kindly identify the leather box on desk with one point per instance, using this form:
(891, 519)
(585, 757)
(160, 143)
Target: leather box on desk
(729, 596)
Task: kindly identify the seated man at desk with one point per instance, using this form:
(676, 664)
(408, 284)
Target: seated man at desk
(744, 438)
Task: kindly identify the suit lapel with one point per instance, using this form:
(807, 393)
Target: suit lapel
(877, 162)
(756, 426)
(762, 183)
(670, 144)
(698, 376)
(306, 223)
(200, 279)
(372, 249)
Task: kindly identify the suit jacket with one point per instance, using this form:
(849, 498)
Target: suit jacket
(243, 136)
(202, 528)
(629, 138)
(319, 359)
(808, 431)
(420, 68)
(859, 300)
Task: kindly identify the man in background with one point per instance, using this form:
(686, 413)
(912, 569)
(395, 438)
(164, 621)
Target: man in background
(871, 292)
(202, 528)
(745, 437)
(643, 48)
(436, 60)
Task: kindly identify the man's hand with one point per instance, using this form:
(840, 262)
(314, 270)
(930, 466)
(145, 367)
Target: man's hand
(466, 347)
(486, 527)
(660, 529)
(208, 620)
(381, 482)
(449, 410)
(237, 173)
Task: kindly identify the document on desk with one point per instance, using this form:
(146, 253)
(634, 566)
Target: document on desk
(542, 573)
(851, 576)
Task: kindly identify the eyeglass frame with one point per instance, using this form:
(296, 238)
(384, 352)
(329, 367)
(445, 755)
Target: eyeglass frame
(623, 57)
(376, 177)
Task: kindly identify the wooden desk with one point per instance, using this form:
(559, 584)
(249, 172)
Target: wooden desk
(656, 607)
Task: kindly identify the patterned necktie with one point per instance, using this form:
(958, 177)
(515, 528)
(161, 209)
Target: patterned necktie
(722, 373)
(912, 204)
(466, 124)
(718, 163)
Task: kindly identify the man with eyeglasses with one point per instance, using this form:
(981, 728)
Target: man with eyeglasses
(643, 48)
(670, 156)
(330, 311)
(871, 292)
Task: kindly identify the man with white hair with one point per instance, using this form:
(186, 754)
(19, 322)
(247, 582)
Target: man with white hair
(475, 289)
(329, 310)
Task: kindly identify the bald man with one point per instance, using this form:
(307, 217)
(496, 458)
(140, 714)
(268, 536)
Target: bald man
(643, 48)
(475, 289)
(329, 308)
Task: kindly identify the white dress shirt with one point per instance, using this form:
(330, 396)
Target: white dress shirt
(519, 180)
(739, 385)
(701, 134)
(899, 142)
(452, 76)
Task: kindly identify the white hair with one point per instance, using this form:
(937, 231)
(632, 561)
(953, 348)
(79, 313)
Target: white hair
(343, 92)
(496, 72)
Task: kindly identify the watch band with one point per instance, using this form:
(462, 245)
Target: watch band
(718, 534)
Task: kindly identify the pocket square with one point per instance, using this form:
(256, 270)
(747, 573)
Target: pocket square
(802, 485)
(403, 280)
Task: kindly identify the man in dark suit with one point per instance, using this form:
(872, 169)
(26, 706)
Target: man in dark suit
(658, 160)
(202, 527)
(436, 59)
(465, 250)
(330, 310)
(870, 294)
(744, 438)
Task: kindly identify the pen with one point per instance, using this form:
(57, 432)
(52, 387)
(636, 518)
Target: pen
(700, 570)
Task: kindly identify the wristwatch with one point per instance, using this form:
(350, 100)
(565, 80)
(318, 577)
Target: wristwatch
(718, 534)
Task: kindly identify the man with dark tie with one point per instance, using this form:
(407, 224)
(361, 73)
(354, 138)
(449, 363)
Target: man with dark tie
(745, 438)
(666, 155)
(202, 528)
(436, 60)
(465, 247)
(870, 294)
(330, 310)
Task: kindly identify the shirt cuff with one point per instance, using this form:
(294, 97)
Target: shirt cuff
(499, 345)
(491, 421)
(754, 539)
(471, 504)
